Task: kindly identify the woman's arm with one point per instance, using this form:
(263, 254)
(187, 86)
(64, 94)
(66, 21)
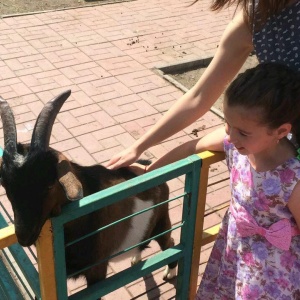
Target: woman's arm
(213, 141)
(234, 48)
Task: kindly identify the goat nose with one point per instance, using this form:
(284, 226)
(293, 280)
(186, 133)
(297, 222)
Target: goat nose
(23, 241)
(25, 237)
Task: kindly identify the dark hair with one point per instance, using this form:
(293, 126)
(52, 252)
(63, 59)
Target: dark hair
(265, 8)
(272, 88)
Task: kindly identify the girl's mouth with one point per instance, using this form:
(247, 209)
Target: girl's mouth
(240, 148)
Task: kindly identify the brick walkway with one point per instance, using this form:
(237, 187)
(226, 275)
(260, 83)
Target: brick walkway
(107, 56)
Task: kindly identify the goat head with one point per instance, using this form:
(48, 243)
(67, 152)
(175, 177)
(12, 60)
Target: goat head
(34, 171)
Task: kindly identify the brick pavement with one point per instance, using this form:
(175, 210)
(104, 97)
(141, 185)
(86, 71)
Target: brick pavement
(107, 56)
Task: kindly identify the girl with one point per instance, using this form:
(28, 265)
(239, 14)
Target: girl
(270, 27)
(257, 252)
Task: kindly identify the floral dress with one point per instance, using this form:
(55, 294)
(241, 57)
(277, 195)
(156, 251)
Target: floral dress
(251, 267)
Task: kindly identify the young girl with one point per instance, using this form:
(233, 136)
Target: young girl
(257, 252)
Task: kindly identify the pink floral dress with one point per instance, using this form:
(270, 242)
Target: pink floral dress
(251, 267)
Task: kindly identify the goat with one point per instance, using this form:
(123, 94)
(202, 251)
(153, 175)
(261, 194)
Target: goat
(39, 180)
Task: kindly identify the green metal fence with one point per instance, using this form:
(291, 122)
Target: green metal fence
(182, 252)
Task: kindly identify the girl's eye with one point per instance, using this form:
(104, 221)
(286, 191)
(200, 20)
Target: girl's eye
(242, 133)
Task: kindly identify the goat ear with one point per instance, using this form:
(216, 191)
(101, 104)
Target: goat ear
(68, 179)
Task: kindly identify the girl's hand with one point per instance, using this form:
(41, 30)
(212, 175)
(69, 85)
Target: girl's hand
(123, 159)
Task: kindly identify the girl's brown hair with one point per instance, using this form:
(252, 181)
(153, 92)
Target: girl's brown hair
(265, 8)
(273, 90)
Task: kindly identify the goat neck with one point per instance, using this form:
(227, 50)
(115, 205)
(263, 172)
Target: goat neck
(43, 126)
(9, 128)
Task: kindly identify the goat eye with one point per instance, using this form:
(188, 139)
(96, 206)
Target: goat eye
(50, 187)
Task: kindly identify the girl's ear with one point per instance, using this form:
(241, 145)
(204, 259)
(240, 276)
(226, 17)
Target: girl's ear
(283, 130)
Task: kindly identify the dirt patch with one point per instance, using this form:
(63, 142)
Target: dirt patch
(12, 7)
(188, 78)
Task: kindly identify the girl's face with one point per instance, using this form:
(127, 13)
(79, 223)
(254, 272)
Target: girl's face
(245, 131)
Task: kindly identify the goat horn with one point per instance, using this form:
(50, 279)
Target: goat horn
(43, 126)
(9, 127)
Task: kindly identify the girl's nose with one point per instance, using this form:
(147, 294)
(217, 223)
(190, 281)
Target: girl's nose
(231, 136)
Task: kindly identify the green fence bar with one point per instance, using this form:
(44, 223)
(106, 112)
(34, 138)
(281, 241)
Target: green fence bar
(181, 252)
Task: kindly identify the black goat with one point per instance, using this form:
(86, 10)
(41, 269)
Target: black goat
(38, 180)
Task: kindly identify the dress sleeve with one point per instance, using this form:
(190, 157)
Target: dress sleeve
(229, 152)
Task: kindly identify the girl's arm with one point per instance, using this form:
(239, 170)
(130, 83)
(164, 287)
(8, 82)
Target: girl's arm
(294, 203)
(213, 141)
(234, 48)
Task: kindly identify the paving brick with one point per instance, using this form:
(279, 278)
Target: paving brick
(46, 80)
(126, 99)
(148, 121)
(218, 197)
(67, 57)
(24, 117)
(13, 88)
(108, 143)
(175, 186)
(85, 110)
(65, 145)
(111, 108)
(60, 133)
(85, 128)
(103, 118)
(134, 129)
(55, 17)
(20, 109)
(67, 119)
(6, 72)
(129, 116)
(94, 88)
(24, 133)
(125, 139)
(17, 49)
(32, 33)
(108, 132)
(105, 155)
(84, 72)
(24, 21)
(90, 143)
(81, 156)
(81, 98)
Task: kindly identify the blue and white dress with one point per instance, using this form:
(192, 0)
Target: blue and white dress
(279, 38)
